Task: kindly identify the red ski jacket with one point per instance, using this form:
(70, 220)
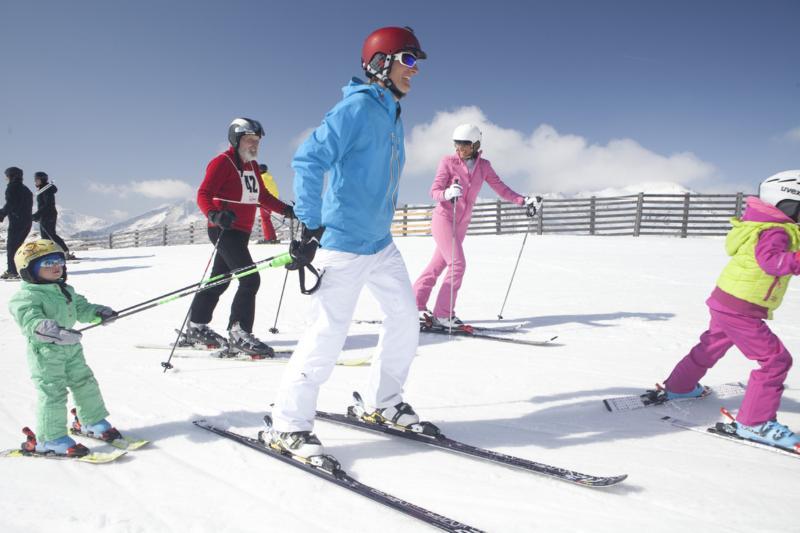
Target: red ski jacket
(240, 190)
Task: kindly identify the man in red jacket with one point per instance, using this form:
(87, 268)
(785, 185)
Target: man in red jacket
(229, 196)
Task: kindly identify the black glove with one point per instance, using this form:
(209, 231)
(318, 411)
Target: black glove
(36, 217)
(105, 313)
(224, 219)
(2, 218)
(289, 212)
(304, 250)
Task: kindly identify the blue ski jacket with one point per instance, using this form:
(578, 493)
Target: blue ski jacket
(360, 145)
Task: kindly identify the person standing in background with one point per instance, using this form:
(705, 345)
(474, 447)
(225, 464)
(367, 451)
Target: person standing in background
(46, 213)
(270, 237)
(19, 202)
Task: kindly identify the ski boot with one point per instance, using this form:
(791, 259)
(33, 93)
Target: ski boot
(425, 319)
(660, 394)
(771, 433)
(241, 341)
(302, 444)
(65, 446)
(101, 430)
(201, 336)
(400, 416)
(452, 322)
(9, 276)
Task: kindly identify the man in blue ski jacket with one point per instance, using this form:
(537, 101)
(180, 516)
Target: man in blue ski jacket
(360, 145)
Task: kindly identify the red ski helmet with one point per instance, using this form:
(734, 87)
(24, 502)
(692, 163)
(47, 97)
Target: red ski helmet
(377, 54)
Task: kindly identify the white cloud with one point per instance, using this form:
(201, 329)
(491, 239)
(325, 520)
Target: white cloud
(165, 189)
(546, 160)
(793, 135)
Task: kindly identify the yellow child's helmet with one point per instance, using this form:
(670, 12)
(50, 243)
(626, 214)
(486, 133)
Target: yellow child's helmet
(29, 252)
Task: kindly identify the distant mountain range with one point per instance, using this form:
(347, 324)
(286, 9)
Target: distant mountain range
(79, 226)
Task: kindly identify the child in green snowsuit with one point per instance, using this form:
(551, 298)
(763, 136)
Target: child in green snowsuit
(46, 309)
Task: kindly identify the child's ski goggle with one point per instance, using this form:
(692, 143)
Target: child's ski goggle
(51, 262)
(406, 58)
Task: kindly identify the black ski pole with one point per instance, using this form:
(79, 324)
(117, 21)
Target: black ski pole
(274, 328)
(531, 212)
(167, 364)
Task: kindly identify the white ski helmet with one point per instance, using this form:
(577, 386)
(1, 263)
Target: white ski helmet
(467, 132)
(783, 191)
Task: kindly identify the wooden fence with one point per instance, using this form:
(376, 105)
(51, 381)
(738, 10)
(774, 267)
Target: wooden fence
(680, 215)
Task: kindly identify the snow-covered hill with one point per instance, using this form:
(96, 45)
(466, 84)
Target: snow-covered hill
(178, 214)
(624, 309)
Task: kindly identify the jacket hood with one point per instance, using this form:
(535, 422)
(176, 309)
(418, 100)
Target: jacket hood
(759, 211)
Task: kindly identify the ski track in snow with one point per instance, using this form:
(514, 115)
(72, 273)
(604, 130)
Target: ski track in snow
(625, 310)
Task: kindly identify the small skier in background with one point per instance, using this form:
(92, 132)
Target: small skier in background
(46, 309)
(267, 228)
(458, 179)
(763, 246)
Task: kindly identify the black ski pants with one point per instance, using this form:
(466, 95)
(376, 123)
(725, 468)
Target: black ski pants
(232, 253)
(47, 228)
(17, 232)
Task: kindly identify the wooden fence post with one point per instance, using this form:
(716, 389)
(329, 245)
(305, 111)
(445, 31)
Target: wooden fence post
(592, 214)
(739, 202)
(497, 224)
(136, 238)
(405, 220)
(191, 233)
(540, 222)
(165, 235)
(110, 240)
(637, 223)
(685, 223)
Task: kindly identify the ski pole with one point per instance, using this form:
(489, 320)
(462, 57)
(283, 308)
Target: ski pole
(452, 266)
(277, 261)
(167, 364)
(531, 212)
(274, 328)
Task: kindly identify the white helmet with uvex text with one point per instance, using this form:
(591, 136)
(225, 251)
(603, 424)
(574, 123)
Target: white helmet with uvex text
(783, 191)
(467, 132)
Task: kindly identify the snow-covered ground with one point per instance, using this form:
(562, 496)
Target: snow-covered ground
(624, 309)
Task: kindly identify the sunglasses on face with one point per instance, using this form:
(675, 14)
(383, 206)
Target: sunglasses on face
(406, 58)
(51, 262)
(463, 144)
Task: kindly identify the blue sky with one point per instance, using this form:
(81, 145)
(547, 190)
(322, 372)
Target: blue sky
(124, 103)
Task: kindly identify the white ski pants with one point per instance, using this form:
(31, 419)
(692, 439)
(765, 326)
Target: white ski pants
(332, 308)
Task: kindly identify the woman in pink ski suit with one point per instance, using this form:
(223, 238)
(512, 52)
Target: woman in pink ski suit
(459, 178)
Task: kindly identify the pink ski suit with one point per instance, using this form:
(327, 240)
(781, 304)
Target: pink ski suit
(452, 168)
(735, 321)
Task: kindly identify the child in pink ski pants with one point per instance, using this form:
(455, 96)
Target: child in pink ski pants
(451, 168)
(766, 239)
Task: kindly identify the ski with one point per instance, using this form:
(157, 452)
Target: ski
(650, 399)
(281, 355)
(718, 430)
(427, 433)
(480, 329)
(464, 331)
(95, 458)
(121, 442)
(329, 469)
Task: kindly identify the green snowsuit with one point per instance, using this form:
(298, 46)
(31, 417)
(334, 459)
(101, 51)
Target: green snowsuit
(54, 368)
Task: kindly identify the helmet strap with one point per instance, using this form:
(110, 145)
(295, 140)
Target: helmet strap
(382, 75)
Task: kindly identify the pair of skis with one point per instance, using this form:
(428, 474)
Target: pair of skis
(328, 468)
(123, 445)
(477, 332)
(719, 429)
(282, 355)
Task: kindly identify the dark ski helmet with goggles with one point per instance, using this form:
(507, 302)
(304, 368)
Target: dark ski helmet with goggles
(241, 127)
(386, 45)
